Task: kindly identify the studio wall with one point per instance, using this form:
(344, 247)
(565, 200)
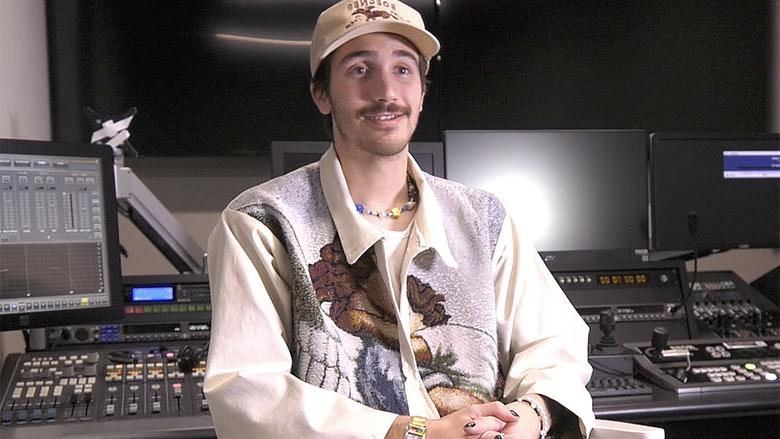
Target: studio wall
(697, 65)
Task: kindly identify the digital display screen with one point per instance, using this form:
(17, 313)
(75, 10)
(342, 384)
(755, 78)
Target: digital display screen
(152, 329)
(751, 164)
(730, 185)
(199, 327)
(623, 279)
(58, 235)
(152, 294)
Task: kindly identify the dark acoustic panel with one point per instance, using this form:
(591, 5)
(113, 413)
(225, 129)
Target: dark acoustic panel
(207, 77)
(697, 65)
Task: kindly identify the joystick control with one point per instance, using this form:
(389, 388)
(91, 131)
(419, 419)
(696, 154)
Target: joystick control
(659, 347)
(659, 340)
(607, 343)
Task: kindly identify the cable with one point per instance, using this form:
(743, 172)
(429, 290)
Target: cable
(693, 226)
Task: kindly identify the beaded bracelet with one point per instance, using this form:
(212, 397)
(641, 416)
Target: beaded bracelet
(541, 413)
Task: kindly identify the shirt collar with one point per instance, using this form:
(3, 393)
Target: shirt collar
(358, 235)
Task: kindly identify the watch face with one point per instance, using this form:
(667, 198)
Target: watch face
(416, 428)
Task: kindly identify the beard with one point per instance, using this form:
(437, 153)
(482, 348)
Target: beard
(388, 145)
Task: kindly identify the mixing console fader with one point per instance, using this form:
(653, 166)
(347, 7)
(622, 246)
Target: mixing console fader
(726, 306)
(101, 385)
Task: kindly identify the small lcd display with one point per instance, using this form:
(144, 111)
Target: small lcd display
(751, 164)
(152, 294)
(151, 329)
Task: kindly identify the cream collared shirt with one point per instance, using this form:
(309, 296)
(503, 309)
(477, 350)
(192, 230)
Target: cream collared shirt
(251, 391)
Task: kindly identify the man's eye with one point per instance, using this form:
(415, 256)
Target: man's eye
(360, 70)
(404, 70)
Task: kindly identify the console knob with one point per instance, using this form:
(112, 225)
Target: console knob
(660, 339)
(81, 334)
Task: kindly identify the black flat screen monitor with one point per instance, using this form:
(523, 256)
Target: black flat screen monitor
(287, 156)
(726, 185)
(570, 190)
(59, 242)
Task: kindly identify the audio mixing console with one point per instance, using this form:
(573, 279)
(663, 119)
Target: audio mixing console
(99, 381)
(143, 377)
(68, 388)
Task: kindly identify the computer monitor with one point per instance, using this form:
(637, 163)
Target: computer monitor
(727, 186)
(59, 242)
(289, 155)
(570, 190)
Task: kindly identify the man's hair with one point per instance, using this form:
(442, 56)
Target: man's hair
(320, 82)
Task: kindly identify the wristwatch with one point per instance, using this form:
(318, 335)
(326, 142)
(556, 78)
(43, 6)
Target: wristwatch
(416, 428)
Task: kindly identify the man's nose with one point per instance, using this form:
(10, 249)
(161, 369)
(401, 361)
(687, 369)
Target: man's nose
(384, 87)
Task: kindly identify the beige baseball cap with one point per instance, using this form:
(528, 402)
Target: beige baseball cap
(349, 19)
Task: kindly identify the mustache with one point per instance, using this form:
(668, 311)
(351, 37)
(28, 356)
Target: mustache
(381, 107)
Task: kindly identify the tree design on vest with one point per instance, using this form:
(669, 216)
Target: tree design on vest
(357, 300)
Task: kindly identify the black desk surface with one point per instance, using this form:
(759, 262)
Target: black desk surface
(665, 405)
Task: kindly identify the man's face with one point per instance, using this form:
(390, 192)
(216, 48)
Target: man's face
(375, 95)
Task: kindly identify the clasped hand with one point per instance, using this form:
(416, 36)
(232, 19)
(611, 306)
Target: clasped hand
(493, 420)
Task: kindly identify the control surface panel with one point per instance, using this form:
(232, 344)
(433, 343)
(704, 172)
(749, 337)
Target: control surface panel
(82, 387)
(691, 366)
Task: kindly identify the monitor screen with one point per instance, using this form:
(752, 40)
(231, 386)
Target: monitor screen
(59, 249)
(726, 186)
(570, 190)
(287, 156)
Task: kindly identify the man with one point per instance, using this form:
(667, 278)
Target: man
(359, 297)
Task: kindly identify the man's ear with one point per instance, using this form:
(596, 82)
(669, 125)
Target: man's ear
(422, 99)
(321, 99)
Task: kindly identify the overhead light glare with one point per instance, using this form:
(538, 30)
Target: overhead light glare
(256, 40)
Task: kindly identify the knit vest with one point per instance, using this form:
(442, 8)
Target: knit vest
(345, 333)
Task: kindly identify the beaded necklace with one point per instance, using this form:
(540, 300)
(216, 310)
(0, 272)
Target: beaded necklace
(395, 212)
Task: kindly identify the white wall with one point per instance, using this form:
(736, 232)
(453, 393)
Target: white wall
(195, 190)
(24, 90)
(24, 87)
(749, 264)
